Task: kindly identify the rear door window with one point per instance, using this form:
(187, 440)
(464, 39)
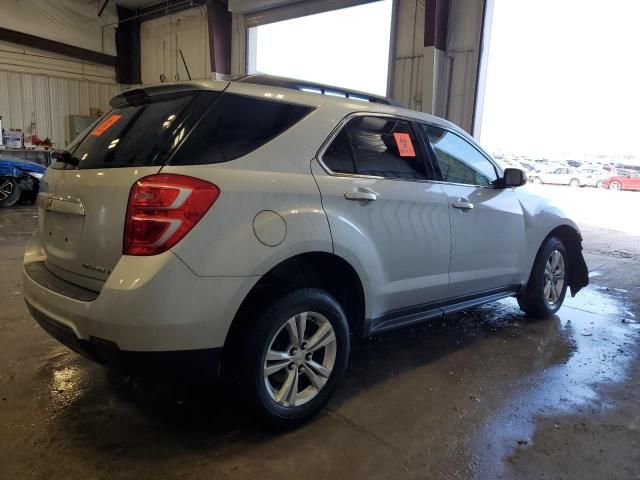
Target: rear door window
(339, 157)
(377, 146)
(234, 126)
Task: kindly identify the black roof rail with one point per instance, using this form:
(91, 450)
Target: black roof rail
(303, 85)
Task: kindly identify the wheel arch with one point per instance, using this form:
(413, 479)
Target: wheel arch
(572, 240)
(322, 270)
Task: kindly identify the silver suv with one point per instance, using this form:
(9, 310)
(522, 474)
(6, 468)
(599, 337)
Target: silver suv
(256, 225)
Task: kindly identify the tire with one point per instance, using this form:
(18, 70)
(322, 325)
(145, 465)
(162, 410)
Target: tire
(535, 301)
(615, 185)
(599, 184)
(317, 373)
(574, 183)
(9, 191)
(537, 180)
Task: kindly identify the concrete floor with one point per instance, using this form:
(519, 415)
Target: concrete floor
(483, 394)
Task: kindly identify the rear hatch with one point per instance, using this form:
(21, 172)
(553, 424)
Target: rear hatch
(84, 195)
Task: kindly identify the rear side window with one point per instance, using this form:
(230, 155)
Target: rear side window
(378, 146)
(235, 126)
(130, 135)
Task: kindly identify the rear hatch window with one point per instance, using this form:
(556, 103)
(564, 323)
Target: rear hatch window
(131, 135)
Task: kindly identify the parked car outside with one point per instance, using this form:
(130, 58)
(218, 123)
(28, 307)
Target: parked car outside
(623, 182)
(528, 167)
(595, 176)
(18, 179)
(561, 176)
(256, 228)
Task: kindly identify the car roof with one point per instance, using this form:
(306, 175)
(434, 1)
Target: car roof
(298, 92)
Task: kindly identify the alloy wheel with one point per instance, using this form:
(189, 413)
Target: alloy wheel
(300, 359)
(554, 277)
(615, 185)
(6, 188)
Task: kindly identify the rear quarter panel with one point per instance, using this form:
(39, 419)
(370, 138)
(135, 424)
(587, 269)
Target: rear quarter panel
(275, 177)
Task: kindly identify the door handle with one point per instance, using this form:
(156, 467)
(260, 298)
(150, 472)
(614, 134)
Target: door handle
(361, 194)
(463, 205)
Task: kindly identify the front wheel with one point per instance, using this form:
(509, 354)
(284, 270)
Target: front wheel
(615, 185)
(537, 180)
(295, 356)
(574, 182)
(547, 284)
(9, 191)
(599, 184)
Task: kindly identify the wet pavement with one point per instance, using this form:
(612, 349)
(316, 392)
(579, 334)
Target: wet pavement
(486, 393)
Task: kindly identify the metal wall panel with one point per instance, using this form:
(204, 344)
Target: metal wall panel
(41, 104)
(407, 68)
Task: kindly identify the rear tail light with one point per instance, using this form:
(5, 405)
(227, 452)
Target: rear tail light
(162, 209)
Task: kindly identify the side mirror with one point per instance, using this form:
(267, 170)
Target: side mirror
(513, 177)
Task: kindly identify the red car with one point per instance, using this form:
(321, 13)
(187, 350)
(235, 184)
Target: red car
(629, 182)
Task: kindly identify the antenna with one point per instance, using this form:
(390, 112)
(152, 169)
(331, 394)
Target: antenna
(185, 64)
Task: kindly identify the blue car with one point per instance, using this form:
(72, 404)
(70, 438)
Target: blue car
(18, 179)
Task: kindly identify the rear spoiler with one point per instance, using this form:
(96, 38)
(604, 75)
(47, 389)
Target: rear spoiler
(140, 96)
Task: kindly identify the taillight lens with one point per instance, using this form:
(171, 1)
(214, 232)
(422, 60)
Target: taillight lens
(162, 209)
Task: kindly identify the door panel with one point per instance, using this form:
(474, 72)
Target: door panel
(487, 239)
(401, 239)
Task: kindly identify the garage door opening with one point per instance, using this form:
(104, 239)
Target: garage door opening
(347, 48)
(561, 101)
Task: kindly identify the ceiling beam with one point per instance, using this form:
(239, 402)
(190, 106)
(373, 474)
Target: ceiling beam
(166, 8)
(40, 43)
(219, 23)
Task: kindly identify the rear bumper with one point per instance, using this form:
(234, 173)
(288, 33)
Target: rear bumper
(109, 354)
(148, 304)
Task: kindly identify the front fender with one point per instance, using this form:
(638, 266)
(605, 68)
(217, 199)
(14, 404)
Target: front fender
(7, 171)
(544, 219)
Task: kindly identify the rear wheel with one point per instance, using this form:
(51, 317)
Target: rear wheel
(547, 285)
(574, 182)
(9, 191)
(537, 180)
(615, 185)
(599, 184)
(294, 357)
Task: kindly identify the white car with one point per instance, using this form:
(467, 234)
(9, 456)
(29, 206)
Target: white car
(595, 176)
(561, 176)
(255, 227)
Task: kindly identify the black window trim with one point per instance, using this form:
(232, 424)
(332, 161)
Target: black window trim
(429, 170)
(434, 159)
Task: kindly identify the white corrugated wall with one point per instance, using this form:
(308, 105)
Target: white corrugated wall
(408, 62)
(456, 90)
(162, 39)
(41, 104)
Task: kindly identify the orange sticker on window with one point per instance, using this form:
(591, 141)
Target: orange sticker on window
(405, 146)
(105, 125)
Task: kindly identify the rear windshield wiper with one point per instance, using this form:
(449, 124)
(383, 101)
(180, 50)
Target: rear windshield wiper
(65, 156)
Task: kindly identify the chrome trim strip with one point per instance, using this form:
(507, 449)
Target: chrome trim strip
(61, 204)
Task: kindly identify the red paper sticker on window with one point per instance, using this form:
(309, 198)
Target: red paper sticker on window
(405, 146)
(105, 125)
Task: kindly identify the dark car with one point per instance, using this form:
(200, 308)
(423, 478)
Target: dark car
(18, 179)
